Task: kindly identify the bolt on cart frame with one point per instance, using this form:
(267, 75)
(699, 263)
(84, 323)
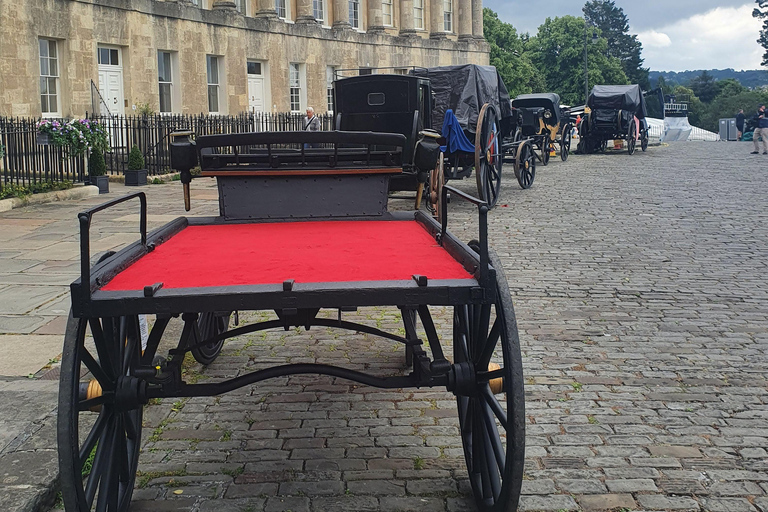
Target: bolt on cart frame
(279, 188)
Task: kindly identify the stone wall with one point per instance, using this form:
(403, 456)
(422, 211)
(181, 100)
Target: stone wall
(142, 27)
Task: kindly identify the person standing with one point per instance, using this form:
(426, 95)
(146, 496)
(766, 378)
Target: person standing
(311, 124)
(761, 132)
(740, 118)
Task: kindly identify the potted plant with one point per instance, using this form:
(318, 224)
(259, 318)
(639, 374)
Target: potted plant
(137, 172)
(97, 172)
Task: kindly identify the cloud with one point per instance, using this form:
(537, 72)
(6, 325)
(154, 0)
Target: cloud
(724, 37)
(654, 39)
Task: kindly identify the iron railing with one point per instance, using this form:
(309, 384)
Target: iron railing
(26, 162)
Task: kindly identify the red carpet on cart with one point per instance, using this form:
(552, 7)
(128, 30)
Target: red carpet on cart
(307, 252)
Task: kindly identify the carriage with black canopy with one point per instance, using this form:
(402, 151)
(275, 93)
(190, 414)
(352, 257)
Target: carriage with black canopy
(545, 122)
(336, 249)
(614, 112)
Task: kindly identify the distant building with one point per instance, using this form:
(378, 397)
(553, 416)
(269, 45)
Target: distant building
(216, 56)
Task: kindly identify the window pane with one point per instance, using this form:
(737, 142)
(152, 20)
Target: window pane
(44, 104)
(52, 104)
(113, 58)
(53, 63)
(52, 49)
(254, 68)
(43, 47)
(213, 98)
(164, 66)
(44, 67)
(43, 85)
(165, 98)
(52, 86)
(103, 56)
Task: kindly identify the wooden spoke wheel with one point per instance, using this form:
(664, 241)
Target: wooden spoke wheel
(525, 165)
(545, 147)
(631, 137)
(565, 142)
(436, 182)
(492, 424)
(488, 155)
(210, 324)
(644, 141)
(100, 413)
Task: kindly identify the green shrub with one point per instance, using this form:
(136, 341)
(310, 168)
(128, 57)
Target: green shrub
(22, 191)
(135, 159)
(96, 164)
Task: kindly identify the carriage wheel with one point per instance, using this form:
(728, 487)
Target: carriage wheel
(545, 147)
(525, 165)
(644, 141)
(488, 155)
(209, 324)
(491, 414)
(100, 413)
(565, 142)
(603, 146)
(631, 138)
(436, 182)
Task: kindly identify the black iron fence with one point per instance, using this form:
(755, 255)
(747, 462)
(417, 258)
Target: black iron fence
(26, 162)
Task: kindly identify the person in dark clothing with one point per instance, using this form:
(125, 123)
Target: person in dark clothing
(761, 132)
(740, 118)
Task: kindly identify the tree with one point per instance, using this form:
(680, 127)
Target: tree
(558, 51)
(614, 25)
(729, 87)
(727, 105)
(696, 109)
(761, 12)
(705, 87)
(509, 57)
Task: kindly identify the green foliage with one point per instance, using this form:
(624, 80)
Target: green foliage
(704, 87)
(2, 151)
(761, 12)
(509, 57)
(81, 136)
(144, 109)
(728, 105)
(135, 159)
(22, 191)
(558, 50)
(614, 25)
(696, 109)
(96, 164)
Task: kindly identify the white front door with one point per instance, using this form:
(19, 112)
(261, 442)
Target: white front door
(255, 86)
(111, 80)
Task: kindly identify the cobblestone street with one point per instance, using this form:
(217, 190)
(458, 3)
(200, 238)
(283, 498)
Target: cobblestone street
(642, 304)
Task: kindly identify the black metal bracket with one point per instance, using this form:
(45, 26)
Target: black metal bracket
(482, 208)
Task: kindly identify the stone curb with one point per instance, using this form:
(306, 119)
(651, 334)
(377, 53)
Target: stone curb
(49, 197)
(120, 178)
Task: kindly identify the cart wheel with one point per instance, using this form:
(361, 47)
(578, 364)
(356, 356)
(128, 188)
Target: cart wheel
(209, 324)
(631, 138)
(436, 182)
(644, 141)
(565, 142)
(603, 146)
(525, 165)
(99, 434)
(545, 147)
(488, 155)
(492, 429)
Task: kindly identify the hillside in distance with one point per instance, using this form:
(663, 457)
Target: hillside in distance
(750, 79)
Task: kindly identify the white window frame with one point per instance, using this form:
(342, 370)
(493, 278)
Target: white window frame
(50, 76)
(214, 82)
(174, 90)
(448, 16)
(418, 14)
(320, 7)
(241, 6)
(330, 74)
(355, 16)
(297, 91)
(285, 6)
(387, 5)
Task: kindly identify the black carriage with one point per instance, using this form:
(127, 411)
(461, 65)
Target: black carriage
(545, 122)
(614, 112)
(359, 255)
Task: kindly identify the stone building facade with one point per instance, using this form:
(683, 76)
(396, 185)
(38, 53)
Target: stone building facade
(216, 56)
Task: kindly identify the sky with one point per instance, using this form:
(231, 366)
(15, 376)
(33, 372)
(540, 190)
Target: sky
(677, 35)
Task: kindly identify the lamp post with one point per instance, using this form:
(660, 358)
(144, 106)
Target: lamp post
(586, 68)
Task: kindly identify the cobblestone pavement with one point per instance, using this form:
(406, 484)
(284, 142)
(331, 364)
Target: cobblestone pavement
(641, 301)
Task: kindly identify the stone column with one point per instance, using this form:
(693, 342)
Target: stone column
(304, 12)
(477, 19)
(341, 15)
(224, 4)
(266, 9)
(436, 25)
(464, 19)
(375, 16)
(406, 18)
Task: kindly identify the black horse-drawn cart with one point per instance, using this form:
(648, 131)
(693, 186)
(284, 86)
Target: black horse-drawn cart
(545, 122)
(336, 248)
(418, 107)
(614, 112)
